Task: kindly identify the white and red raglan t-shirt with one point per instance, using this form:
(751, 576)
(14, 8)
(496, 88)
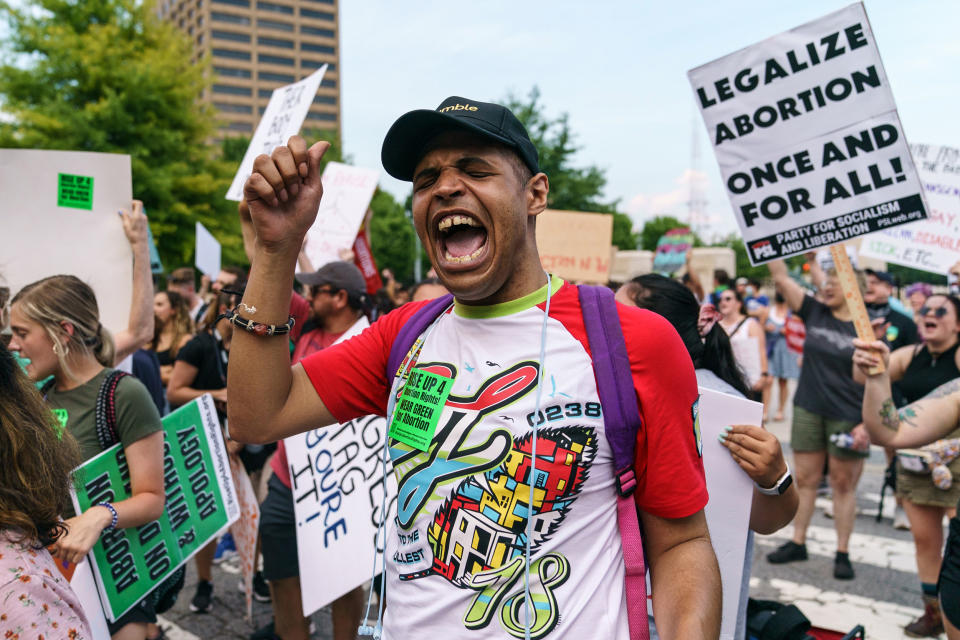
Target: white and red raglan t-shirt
(455, 550)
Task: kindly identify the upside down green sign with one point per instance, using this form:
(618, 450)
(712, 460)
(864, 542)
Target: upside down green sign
(200, 503)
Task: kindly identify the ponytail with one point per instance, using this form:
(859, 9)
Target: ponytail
(104, 349)
(677, 304)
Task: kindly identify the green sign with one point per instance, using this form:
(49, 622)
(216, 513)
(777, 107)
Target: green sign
(418, 410)
(74, 191)
(200, 502)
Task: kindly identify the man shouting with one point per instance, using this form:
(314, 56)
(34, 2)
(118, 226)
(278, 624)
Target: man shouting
(462, 557)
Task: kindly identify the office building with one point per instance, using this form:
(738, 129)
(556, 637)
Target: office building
(257, 46)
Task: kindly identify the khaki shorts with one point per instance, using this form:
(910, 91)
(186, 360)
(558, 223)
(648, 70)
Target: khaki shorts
(811, 432)
(918, 488)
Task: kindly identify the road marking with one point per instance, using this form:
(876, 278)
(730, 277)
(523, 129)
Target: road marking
(173, 631)
(841, 611)
(886, 553)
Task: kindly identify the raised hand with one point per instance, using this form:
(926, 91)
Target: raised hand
(283, 194)
(135, 224)
(868, 355)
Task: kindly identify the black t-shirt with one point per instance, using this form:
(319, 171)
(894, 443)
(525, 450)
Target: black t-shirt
(902, 330)
(826, 386)
(205, 352)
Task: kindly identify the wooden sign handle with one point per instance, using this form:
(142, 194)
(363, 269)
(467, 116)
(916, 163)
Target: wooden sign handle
(851, 293)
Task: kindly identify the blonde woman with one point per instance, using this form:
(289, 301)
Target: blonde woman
(56, 325)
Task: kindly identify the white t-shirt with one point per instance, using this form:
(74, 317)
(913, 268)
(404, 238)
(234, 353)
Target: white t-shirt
(455, 550)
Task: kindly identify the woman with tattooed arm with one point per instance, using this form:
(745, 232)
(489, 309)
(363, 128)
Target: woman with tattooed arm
(920, 423)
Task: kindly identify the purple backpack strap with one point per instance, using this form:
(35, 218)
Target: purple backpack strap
(412, 330)
(621, 419)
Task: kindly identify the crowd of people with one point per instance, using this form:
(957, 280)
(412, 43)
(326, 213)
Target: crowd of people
(520, 459)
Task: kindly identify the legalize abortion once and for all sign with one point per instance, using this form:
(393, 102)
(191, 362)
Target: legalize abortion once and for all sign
(807, 136)
(200, 503)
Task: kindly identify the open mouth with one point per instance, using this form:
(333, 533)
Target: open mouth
(462, 238)
(930, 325)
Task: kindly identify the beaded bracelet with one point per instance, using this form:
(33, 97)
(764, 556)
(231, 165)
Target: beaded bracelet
(258, 328)
(113, 513)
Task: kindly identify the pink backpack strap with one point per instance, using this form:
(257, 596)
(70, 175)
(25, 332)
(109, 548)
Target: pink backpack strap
(621, 421)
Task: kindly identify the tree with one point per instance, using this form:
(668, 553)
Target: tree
(111, 76)
(571, 188)
(392, 236)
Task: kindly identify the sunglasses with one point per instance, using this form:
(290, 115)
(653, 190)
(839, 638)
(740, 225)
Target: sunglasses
(330, 291)
(727, 298)
(938, 312)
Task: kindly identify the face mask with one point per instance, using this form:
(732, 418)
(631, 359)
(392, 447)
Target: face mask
(23, 362)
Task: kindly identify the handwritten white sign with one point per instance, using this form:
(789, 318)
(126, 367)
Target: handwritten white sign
(347, 192)
(67, 203)
(933, 244)
(339, 489)
(207, 256)
(283, 118)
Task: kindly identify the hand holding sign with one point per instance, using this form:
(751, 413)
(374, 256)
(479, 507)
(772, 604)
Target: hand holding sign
(284, 192)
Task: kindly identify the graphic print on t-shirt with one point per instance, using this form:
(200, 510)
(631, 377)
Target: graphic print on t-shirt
(477, 536)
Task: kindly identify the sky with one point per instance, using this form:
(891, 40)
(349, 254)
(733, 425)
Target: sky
(618, 69)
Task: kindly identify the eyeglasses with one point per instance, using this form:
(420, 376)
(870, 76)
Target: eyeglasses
(938, 312)
(727, 298)
(330, 291)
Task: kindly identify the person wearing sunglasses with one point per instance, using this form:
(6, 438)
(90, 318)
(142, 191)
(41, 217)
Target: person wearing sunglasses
(918, 370)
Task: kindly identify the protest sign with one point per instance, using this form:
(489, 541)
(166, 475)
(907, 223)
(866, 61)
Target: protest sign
(339, 490)
(283, 118)
(207, 256)
(338, 487)
(807, 136)
(576, 246)
(347, 192)
(156, 265)
(200, 503)
(932, 244)
(82, 582)
(244, 530)
(363, 258)
(671, 252)
(45, 204)
(731, 495)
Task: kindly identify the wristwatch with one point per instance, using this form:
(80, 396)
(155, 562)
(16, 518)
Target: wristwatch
(780, 486)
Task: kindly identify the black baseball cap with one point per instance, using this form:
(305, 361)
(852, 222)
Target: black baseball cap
(403, 147)
(883, 276)
(343, 276)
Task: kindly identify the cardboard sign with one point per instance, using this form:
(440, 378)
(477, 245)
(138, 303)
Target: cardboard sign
(38, 209)
(347, 192)
(933, 244)
(283, 118)
(200, 504)
(576, 246)
(671, 252)
(207, 256)
(807, 136)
